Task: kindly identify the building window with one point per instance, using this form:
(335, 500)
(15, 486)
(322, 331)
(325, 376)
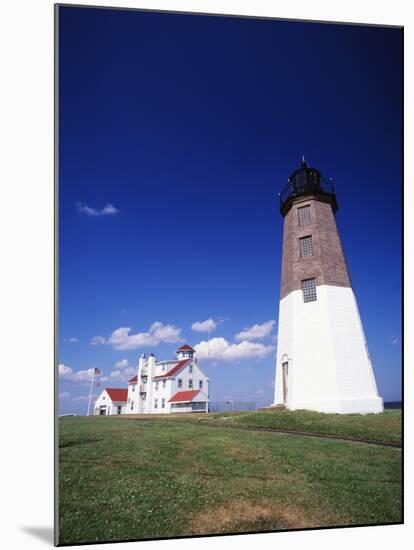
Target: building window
(304, 215)
(190, 382)
(133, 387)
(156, 385)
(200, 384)
(306, 246)
(164, 384)
(309, 290)
(132, 405)
(163, 403)
(191, 369)
(155, 403)
(180, 382)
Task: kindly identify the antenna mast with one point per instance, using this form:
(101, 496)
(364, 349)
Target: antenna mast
(208, 370)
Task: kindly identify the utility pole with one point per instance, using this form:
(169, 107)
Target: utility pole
(95, 372)
(90, 393)
(208, 370)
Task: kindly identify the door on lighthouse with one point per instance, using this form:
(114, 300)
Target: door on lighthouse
(285, 381)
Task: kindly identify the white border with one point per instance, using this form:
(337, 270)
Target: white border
(26, 299)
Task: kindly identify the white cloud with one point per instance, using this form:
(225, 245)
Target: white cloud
(98, 340)
(81, 398)
(120, 375)
(222, 350)
(83, 375)
(204, 326)
(71, 340)
(66, 373)
(122, 340)
(122, 364)
(256, 332)
(64, 395)
(108, 210)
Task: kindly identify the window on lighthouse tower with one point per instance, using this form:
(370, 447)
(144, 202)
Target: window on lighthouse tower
(309, 290)
(304, 215)
(306, 246)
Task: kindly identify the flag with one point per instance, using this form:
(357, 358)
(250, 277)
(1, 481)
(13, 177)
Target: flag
(98, 371)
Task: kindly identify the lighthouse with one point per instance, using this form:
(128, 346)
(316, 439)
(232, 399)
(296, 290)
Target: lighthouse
(322, 361)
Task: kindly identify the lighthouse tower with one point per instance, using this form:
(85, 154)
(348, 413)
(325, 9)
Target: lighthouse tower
(322, 359)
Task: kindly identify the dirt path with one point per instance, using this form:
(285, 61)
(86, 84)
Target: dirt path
(311, 434)
(286, 432)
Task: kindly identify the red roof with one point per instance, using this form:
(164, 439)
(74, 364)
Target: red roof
(185, 347)
(184, 396)
(117, 394)
(173, 371)
(133, 379)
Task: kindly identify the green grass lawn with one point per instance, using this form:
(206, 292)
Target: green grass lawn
(121, 478)
(384, 427)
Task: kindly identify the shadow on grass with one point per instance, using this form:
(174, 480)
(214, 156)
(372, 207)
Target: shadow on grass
(74, 442)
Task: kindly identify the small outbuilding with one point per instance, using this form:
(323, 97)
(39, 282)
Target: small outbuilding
(111, 401)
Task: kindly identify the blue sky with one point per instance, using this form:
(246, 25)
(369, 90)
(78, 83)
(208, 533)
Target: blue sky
(177, 132)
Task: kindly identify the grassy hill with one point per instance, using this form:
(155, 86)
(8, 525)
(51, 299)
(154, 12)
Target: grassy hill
(384, 427)
(126, 478)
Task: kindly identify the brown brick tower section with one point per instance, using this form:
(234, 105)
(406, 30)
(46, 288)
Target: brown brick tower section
(311, 244)
(327, 262)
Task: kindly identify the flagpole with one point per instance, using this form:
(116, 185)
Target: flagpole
(90, 392)
(208, 393)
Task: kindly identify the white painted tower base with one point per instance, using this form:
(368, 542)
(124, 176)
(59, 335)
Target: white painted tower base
(323, 349)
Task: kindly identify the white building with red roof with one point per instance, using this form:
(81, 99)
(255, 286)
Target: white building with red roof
(177, 385)
(111, 401)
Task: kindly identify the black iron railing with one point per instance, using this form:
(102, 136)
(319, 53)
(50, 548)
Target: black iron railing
(307, 184)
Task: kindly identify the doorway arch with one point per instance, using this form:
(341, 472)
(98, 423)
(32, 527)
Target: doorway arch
(285, 377)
